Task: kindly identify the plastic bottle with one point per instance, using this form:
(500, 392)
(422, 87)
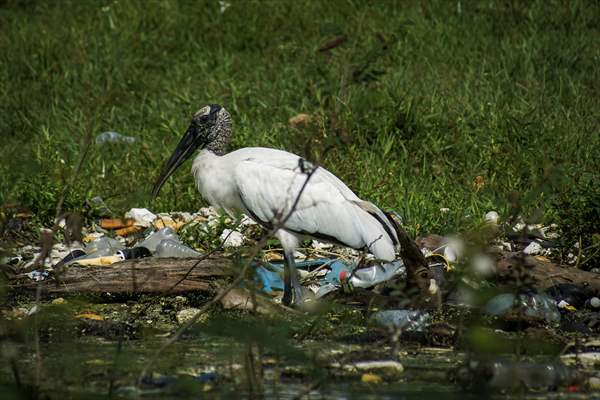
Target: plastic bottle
(100, 247)
(533, 305)
(408, 320)
(173, 248)
(103, 252)
(375, 274)
(113, 137)
(104, 243)
(155, 238)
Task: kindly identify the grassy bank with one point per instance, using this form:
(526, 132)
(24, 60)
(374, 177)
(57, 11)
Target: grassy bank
(469, 106)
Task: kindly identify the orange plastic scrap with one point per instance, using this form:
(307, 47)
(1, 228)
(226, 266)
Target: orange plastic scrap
(129, 230)
(162, 222)
(116, 223)
(93, 316)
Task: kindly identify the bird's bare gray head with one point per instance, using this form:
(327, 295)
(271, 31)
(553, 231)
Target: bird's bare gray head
(213, 122)
(210, 128)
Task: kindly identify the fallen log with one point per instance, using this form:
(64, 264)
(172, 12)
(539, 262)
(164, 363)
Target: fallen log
(144, 275)
(179, 275)
(540, 273)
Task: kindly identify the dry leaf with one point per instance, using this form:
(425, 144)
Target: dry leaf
(478, 182)
(300, 119)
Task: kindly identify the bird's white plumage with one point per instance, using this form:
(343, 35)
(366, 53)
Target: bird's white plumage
(264, 184)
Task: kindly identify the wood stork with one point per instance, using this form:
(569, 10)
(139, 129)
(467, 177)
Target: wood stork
(268, 185)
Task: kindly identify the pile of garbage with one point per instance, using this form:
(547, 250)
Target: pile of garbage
(467, 275)
(324, 268)
(142, 233)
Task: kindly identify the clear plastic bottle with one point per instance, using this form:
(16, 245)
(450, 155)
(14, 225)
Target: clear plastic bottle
(532, 305)
(375, 274)
(107, 251)
(174, 248)
(101, 247)
(152, 241)
(104, 243)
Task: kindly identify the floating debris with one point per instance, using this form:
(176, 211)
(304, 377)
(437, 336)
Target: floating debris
(537, 306)
(407, 320)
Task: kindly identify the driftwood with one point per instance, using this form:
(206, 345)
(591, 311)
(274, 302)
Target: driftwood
(176, 275)
(144, 275)
(542, 274)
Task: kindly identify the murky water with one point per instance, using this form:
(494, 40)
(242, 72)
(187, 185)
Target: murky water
(202, 366)
(240, 355)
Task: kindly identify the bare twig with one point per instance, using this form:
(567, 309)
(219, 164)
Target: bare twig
(36, 338)
(255, 250)
(204, 257)
(309, 388)
(580, 247)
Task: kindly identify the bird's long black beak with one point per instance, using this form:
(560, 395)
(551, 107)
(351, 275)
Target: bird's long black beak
(190, 141)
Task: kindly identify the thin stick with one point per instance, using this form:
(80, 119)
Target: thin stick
(202, 258)
(255, 250)
(36, 337)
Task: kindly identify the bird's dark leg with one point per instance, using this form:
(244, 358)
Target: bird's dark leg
(293, 292)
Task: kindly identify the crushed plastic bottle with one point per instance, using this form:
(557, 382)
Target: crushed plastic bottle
(407, 320)
(113, 137)
(326, 288)
(101, 247)
(104, 243)
(152, 241)
(174, 248)
(375, 274)
(532, 305)
(103, 252)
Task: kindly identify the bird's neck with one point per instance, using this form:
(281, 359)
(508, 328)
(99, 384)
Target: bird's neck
(218, 145)
(206, 155)
(204, 164)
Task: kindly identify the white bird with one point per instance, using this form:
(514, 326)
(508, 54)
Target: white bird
(271, 187)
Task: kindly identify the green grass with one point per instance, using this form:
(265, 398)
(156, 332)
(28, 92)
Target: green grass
(420, 99)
